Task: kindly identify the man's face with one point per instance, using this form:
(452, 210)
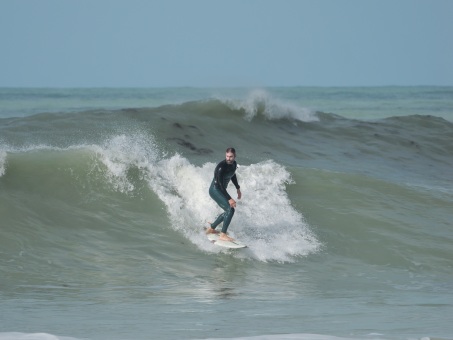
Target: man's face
(230, 157)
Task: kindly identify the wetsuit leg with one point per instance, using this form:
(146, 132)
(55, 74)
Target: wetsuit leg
(225, 217)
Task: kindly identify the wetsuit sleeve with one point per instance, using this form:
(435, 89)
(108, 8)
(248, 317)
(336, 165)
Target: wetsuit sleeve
(219, 174)
(235, 181)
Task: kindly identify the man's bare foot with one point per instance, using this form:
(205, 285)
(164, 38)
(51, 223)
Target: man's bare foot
(225, 237)
(210, 230)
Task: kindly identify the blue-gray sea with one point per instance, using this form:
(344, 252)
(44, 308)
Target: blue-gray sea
(347, 211)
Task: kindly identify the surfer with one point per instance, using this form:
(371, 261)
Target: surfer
(223, 173)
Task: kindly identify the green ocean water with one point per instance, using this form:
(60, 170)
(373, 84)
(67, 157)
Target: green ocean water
(346, 209)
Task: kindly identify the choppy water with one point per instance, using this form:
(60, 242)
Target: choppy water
(346, 209)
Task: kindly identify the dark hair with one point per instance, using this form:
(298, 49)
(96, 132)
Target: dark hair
(232, 150)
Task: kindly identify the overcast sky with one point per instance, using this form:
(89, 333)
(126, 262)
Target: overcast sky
(146, 43)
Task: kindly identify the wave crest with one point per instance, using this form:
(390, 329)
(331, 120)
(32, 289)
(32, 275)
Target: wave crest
(261, 103)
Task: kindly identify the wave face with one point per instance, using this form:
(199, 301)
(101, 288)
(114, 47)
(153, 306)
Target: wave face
(125, 168)
(103, 201)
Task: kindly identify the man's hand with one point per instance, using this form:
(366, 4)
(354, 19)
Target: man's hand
(232, 203)
(239, 194)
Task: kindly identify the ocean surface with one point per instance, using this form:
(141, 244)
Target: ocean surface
(347, 211)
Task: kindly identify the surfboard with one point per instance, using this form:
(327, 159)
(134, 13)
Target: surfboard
(214, 238)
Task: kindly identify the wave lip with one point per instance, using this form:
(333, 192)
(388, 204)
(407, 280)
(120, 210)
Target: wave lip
(32, 336)
(261, 103)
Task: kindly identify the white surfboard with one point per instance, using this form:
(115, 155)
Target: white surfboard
(214, 238)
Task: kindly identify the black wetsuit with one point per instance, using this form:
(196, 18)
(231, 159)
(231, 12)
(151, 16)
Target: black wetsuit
(223, 173)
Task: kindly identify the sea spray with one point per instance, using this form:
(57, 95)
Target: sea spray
(268, 221)
(260, 102)
(120, 154)
(264, 218)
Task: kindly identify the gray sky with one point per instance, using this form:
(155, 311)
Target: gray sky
(146, 43)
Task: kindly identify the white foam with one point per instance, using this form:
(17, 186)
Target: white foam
(31, 336)
(265, 219)
(120, 153)
(2, 162)
(261, 102)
